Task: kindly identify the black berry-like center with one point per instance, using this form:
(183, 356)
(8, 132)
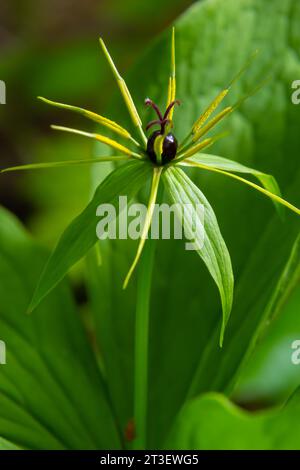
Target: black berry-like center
(170, 144)
(169, 147)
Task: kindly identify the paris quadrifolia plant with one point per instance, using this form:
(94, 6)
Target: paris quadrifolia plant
(157, 157)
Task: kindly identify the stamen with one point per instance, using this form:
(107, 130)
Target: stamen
(153, 123)
(163, 120)
(163, 123)
(171, 105)
(149, 102)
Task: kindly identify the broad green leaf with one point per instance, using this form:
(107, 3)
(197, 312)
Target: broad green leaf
(114, 317)
(214, 251)
(185, 311)
(212, 422)
(52, 395)
(6, 445)
(274, 197)
(273, 343)
(214, 161)
(81, 235)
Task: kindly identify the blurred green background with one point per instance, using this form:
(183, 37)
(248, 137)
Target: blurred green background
(51, 49)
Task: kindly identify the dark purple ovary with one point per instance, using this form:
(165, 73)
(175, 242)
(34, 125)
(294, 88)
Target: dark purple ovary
(170, 146)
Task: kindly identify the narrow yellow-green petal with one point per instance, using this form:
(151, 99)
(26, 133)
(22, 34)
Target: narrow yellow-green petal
(62, 164)
(243, 68)
(125, 93)
(105, 140)
(151, 205)
(89, 114)
(275, 197)
(251, 92)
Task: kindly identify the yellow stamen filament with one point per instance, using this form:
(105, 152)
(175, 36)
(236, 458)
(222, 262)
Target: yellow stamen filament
(209, 110)
(172, 79)
(197, 148)
(47, 165)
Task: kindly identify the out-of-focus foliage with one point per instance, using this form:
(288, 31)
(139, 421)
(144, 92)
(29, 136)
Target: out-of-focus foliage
(214, 38)
(211, 422)
(52, 394)
(270, 375)
(51, 49)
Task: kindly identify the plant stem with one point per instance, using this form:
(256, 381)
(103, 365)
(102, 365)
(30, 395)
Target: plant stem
(141, 344)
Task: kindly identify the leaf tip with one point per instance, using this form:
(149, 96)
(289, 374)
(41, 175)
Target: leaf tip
(55, 127)
(102, 45)
(36, 300)
(130, 272)
(31, 307)
(222, 333)
(126, 281)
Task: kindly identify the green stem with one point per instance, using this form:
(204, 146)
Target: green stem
(141, 344)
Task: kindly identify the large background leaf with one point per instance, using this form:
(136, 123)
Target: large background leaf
(209, 243)
(52, 395)
(213, 422)
(80, 236)
(6, 445)
(260, 382)
(214, 38)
